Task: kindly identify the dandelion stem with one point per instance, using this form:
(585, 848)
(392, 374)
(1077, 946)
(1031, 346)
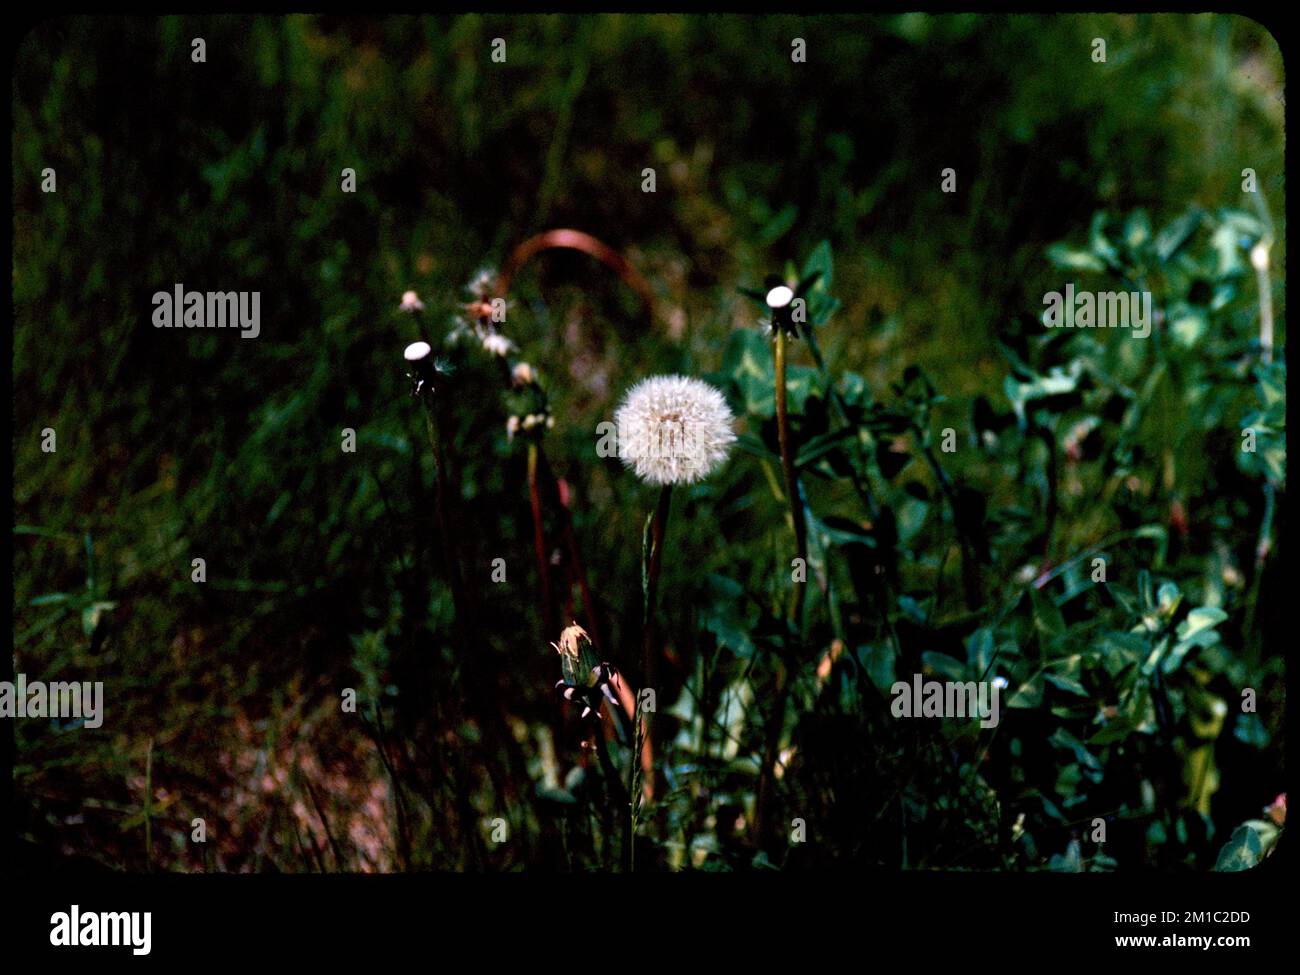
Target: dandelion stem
(776, 720)
(652, 562)
(658, 529)
(571, 543)
(791, 479)
(451, 563)
(539, 538)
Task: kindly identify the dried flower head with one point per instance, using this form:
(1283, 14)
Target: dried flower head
(674, 429)
(411, 302)
(498, 344)
(482, 285)
(577, 658)
(569, 637)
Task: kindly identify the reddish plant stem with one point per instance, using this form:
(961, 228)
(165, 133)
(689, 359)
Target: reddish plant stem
(567, 239)
(558, 495)
(539, 539)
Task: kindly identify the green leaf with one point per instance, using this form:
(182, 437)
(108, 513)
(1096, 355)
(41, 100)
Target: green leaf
(821, 445)
(1250, 730)
(1070, 862)
(879, 662)
(723, 617)
(778, 226)
(1137, 230)
(1202, 618)
(752, 445)
(836, 530)
(748, 362)
(1100, 243)
(1116, 729)
(1063, 739)
(1246, 847)
(1073, 259)
(815, 285)
(941, 663)
(1047, 615)
(1068, 684)
(1171, 239)
(1028, 694)
(801, 382)
(820, 262)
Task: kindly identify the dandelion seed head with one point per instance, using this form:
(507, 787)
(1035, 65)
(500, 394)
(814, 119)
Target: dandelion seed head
(522, 374)
(483, 283)
(498, 344)
(417, 351)
(779, 297)
(674, 429)
(411, 302)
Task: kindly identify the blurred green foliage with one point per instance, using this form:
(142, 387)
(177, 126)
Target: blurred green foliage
(324, 570)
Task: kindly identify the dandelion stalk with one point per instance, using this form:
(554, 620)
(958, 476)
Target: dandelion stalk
(451, 560)
(779, 299)
(791, 478)
(420, 356)
(559, 496)
(539, 538)
(652, 560)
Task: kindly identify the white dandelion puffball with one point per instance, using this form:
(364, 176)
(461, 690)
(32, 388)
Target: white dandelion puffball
(779, 297)
(673, 429)
(417, 351)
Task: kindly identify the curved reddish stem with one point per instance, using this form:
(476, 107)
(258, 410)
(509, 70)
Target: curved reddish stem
(577, 240)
